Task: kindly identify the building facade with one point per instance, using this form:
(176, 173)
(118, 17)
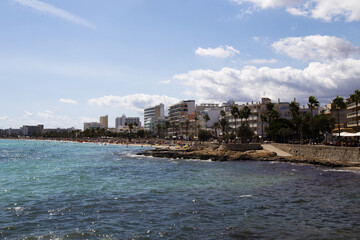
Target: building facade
(104, 122)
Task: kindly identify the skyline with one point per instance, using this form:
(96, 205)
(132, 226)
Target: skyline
(64, 62)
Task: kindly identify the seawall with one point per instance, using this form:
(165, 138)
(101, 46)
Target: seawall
(329, 153)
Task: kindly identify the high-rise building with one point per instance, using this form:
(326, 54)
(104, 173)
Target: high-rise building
(125, 121)
(152, 115)
(91, 125)
(104, 120)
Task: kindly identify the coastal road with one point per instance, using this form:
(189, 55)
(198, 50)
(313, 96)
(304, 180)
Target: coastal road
(279, 152)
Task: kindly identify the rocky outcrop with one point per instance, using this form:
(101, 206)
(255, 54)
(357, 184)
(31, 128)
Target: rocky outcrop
(221, 154)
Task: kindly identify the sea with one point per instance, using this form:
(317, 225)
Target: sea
(65, 190)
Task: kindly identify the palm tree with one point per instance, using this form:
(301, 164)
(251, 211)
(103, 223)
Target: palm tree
(263, 119)
(294, 111)
(158, 129)
(235, 114)
(246, 112)
(187, 124)
(313, 103)
(215, 126)
(167, 126)
(182, 128)
(223, 121)
(206, 118)
(195, 128)
(339, 104)
(131, 126)
(356, 98)
(271, 112)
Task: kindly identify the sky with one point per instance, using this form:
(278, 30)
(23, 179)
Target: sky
(63, 63)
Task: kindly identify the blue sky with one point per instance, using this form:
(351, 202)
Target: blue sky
(66, 62)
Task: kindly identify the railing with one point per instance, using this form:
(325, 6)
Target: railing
(353, 114)
(352, 124)
(351, 105)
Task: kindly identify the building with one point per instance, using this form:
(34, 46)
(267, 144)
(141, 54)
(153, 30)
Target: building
(351, 116)
(151, 114)
(153, 118)
(91, 125)
(104, 122)
(32, 130)
(121, 122)
(179, 114)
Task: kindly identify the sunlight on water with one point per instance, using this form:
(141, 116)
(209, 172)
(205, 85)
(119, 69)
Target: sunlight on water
(63, 190)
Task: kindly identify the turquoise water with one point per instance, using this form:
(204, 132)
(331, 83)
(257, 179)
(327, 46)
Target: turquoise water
(60, 190)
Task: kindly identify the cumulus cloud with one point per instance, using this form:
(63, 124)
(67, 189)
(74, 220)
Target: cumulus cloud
(28, 114)
(316, 47)
(67, 101)
(45, 114)
(54, 11)
(258, 61)
(324, 80)
(4, 118)
(325, 10)
(135, 102)
(220, 52)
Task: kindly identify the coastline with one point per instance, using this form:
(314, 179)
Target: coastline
(220, 154)
(178, 150)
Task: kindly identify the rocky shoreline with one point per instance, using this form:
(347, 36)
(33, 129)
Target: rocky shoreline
(221, 154)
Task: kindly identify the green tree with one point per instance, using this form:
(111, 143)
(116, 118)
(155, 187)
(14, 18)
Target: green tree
(245, 132)
(167, 126)
(263, 119)
(355, 98)
(294, 111)
(324, 123)
(215, 127)
(339, 104)
(246, 112)
(204, 135)
(272, 131)
(235, 114)
(224, 123)
(271, 112)
(207, 119)
(187, 125)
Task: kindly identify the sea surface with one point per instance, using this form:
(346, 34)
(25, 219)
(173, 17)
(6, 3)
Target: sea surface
(62, 190)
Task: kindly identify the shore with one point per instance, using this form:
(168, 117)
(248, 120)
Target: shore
(220, 154)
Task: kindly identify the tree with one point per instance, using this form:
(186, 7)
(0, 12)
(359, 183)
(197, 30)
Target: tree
(206, 118)
(131, 126)
(294, 111)
(204, 135)
(339, 104)
(167, 126)
(182, 124)
(195, 127)
(245, 132)
(187, 125)
(271, 113)
(263, 119)
(313, 103)
(235, 114)
(355, 98)
(273, 132)
(324, 123)
(158, 129)
(246, 112)
(224, 123)
(216, 126)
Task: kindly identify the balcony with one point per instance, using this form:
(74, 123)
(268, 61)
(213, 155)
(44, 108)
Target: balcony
(353, 114)
(352, 124)
(351, 105)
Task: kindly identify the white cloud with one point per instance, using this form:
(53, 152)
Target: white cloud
(28, 114)
(316, 47)
(135, 102)
(324, 80)
(262, 61)
(52, 10)
(45, 114)
(220, 52)
(325, 10)
(67, 101)
(4, 118)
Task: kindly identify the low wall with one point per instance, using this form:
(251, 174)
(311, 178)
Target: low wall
(241, 147)
(344, 154)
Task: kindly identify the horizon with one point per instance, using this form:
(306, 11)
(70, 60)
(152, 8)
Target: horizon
(64, 63)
